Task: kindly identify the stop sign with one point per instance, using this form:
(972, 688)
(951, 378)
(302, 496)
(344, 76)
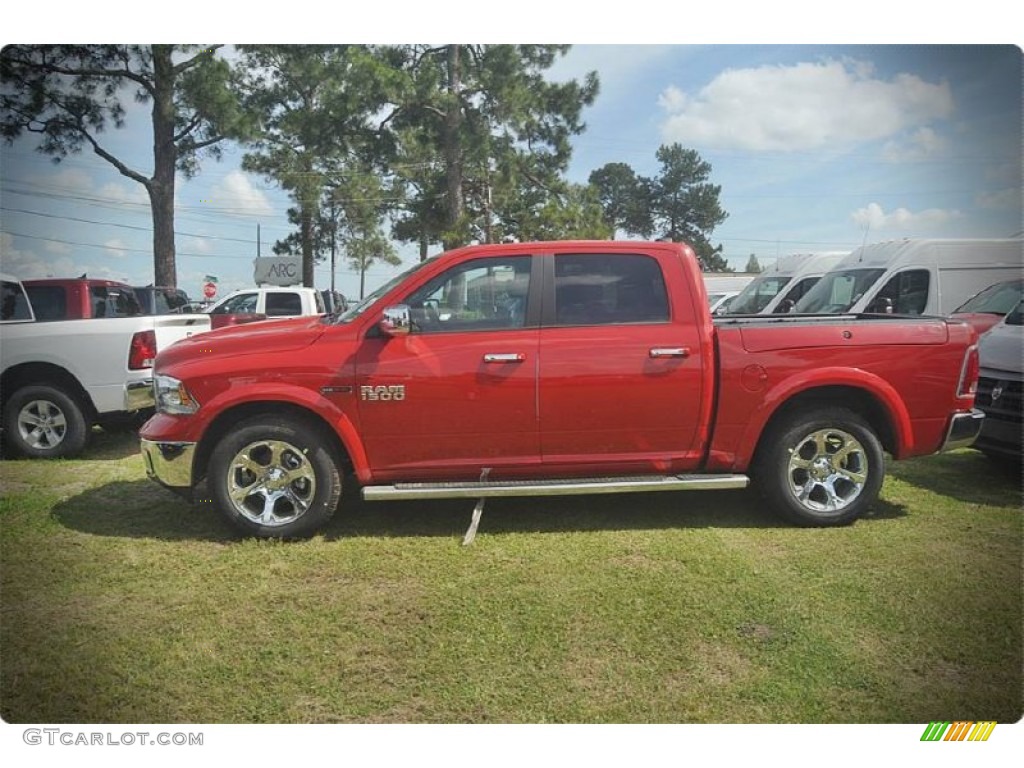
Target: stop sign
(209, 290)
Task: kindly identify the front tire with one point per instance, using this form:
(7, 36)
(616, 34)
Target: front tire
(44, 422)
(273, 478)
(820, 468)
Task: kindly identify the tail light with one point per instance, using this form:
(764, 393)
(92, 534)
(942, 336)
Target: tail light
(969, 372)
(143, 350)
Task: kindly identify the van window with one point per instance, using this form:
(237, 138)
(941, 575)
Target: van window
(837, 291)
(906, 293)
(757, 294)
(796, 293)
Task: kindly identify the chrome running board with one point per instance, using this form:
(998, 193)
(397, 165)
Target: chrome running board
(567, 487)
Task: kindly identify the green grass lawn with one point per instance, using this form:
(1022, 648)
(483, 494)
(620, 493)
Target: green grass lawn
(120, 604)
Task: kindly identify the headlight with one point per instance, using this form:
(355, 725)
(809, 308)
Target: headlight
(172, 397)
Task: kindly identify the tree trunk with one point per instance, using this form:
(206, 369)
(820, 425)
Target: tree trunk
(452, 155)
(165, 155)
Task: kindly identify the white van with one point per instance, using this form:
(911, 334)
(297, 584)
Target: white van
(778, 288)
(914, 277)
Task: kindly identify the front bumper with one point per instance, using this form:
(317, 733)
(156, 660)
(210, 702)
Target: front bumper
(964, 429)
(169, 463)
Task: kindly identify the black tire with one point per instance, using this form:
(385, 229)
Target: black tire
(283, 475)
(822, 467)
(44, 422)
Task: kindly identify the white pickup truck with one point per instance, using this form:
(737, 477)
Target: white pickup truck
(57, 379)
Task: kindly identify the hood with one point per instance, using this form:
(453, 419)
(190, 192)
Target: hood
(259, 338)
(1002, 348)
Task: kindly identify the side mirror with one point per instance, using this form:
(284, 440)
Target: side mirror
(881, 306)
(396, 320)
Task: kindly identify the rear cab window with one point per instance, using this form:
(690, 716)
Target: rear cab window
(14, 306)
(113, 301)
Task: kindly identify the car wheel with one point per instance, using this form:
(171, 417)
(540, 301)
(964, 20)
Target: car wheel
(44, 422)
(821, 468)
(275, 479)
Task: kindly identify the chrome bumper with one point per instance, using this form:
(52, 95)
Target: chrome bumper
(964, 429)
(138, 395)
(170, 464)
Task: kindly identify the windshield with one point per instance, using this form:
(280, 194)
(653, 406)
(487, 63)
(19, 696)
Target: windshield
(357, 309)
(756, 295)
(997, 299)
(837, 291)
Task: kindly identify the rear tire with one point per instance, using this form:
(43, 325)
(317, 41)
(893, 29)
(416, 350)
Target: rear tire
(44, 422)
(273, 478)
(823, 467)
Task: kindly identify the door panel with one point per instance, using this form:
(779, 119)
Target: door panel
(620, 385)
(458, 393)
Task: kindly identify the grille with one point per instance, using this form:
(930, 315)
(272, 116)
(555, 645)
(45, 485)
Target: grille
(1005, 407)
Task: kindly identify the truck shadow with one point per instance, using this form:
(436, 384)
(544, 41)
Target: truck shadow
(966, 475)
(139, 509)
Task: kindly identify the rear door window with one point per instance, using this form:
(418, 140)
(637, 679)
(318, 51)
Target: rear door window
(609, 289)
(284, 304)
(112, 301)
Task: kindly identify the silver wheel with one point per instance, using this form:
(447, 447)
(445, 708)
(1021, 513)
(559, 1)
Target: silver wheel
(42, 425)
(827, 470)
(271, 483)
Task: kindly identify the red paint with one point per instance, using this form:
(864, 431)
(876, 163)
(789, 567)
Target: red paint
(570, 401)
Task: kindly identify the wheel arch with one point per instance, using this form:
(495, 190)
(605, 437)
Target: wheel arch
(46, 374)
(890, 424)
(229, 418)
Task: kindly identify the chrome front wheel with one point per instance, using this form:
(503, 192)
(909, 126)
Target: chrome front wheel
(271, 483)
(275, 478)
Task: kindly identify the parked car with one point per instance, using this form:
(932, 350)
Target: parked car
(162, 300)
(554, 368)
(719, 299)
(81, 298)
(60, 377)
(987, 308)
(253, 304)
(777, 289)
(1001, 357)
(914, 277)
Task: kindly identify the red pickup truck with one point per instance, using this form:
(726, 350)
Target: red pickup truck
(554, 368)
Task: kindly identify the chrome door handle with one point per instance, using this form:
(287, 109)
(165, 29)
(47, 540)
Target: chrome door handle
(670, 352)
(504, 357)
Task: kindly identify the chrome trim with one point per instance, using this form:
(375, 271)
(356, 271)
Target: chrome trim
(964, 429)
(169, 463)
(504, 357)
(139, 395)
(569, 487)
(670, 352)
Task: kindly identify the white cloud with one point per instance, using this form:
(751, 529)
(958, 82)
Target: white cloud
(802, 107)
(116, 247)
(236, 194)
(27, 264)
(923, 144)
(875, 217)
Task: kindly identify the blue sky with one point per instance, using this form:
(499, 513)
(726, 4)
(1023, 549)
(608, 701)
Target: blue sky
(816, 148)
